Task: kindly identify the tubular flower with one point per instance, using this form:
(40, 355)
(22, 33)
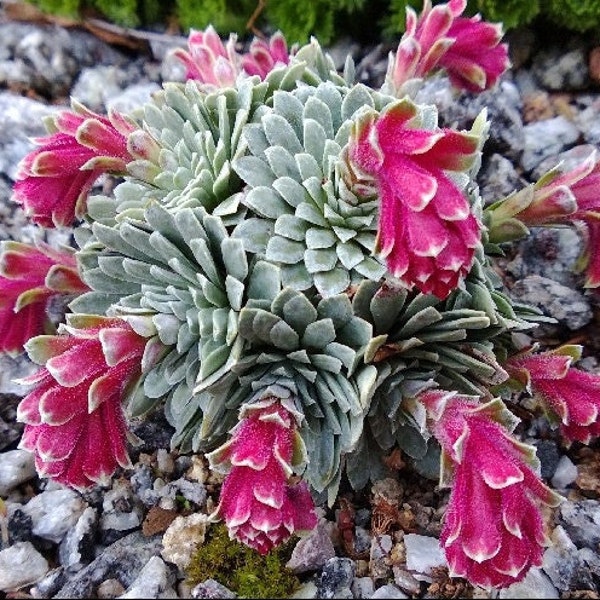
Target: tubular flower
(208, 60)
(570, 397)
(264, 56)
(73, 418)
(468, 49)
(29, 278)
(53, 181)
(493, 532)
(261, 506)
(427, 231)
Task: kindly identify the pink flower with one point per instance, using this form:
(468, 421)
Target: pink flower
(571, 397)
(493, 531)
(260, 504)
(29, 278)
(74, 421)
(264, 56)
(427, 231)
(209, 61)
(53, 181)
(467, 48)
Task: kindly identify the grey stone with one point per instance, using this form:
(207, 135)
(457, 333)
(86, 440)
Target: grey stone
(565, 473)
(121, 512)
(548, 454)
(122, 560)
(547, 138)
(363, 587)
(132, 97)
(336, 578)
(95, 85)
(389, 590)
(77, 548)
(54, 512)
(20, 565)
(569, 307)
(212, 589)
(558, 68)
(498, 178)
(581, 520)
(565, 161)
(50, 584)
(536, 585)
(20, 525)
(16, 467)
(405, 580)
(155, 580)
(312, 551)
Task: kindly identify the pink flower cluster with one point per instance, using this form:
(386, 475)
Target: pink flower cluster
(30, 277)
(261, 505)
(427, 231)
(468, 49)
(213, 63)
(53, 182)
(74, 421)
(493, 531)
(570, 396)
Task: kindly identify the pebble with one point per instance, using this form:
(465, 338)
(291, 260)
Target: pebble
(155, 580)
(312, 551)
(54, 513)
(561, 68)
(50, 584)
(212, 589)
(77, 548)
(581, 521)
(547, 138)
(20, 565)
(363, 587)
(336, 578)
(565, 473)
(121, 513)
(423, 553)
(389, 590)
(536, 585)
(183, 537)
(16, 467)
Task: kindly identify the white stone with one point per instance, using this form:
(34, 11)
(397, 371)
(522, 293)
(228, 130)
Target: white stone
(54, 512)
(153, 581)
(20, 565)
(423, 553)
(565, 473)
(388, 591)
(183, 537)
(16, 467)
(535, 585)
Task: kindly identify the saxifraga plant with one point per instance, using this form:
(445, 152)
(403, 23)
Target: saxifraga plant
(298, 269)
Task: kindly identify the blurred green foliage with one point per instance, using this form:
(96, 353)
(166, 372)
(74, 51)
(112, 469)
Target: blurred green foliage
(364, 20)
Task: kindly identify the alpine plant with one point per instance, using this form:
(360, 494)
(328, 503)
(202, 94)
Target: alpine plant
(298, 269)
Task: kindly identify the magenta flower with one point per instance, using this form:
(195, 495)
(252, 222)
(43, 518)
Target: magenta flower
(427, 231)
(208, 60)
(467, 48)
(29, 278)
(493, 531)
(260, 504)
(570, 397)
(54, 181)
(264, 56)
(73, 418)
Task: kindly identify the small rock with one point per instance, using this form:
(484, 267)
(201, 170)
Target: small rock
(423, 553)
(381, 546)
(212, 589)
(389, 590)
(111, 588)
(50, 584)
(158, 520)
(536, 585)
(20, 565)
(16, 467)
(565, 473)
(498, 178)
(547, 138)
(155, 580)
(405, 581)
(561, 69)
(548, 455)
(581, 521)
(183, 537)
(190, 490)
(312, 551)
(121, 513)
(336, 578)
(363, 587)
(568, 306)
(54, 512)
(20, 525)
(77, 548)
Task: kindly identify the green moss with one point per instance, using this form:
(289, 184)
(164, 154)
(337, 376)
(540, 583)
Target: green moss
(226, 16)
(124, 12)
(241, 569)
(577, 15)
(63, 8)
(511, 13)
